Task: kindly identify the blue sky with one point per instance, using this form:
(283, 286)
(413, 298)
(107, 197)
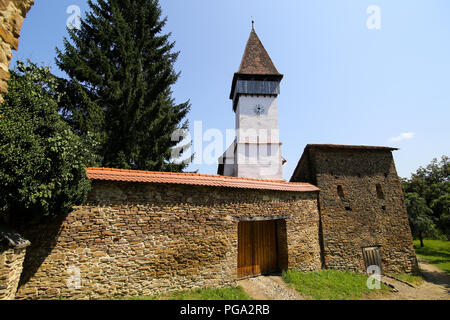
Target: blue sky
(343, 83)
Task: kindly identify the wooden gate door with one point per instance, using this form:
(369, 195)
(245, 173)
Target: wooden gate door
(257, 248)
(372, 257)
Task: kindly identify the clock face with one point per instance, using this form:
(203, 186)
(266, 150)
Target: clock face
(259, 109)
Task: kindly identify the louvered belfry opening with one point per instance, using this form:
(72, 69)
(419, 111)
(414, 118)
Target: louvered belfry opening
(258, 248)
(372, 257)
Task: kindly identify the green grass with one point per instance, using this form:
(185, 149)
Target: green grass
(436, 252)
(236, 293)
(331, 285)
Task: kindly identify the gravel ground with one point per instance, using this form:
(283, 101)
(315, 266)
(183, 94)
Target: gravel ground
(436, 285)
(269, 288)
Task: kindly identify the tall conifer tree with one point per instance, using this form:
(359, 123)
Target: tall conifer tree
(120, 66)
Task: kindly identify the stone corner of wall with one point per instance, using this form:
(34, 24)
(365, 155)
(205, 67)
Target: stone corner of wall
(11, 266)
(12, 14)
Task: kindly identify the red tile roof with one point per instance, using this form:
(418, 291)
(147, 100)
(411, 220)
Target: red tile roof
(195, 179)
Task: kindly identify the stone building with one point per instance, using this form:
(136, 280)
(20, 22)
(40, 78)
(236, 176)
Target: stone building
(362, 207)
(142, 233)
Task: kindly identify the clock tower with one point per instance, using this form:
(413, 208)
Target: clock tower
(256, 151)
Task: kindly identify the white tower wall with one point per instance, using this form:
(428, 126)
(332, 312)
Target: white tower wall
(258, 144)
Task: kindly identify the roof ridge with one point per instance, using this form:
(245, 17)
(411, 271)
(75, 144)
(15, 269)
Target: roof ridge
(348, 146)
(113, 174)
(186, 174)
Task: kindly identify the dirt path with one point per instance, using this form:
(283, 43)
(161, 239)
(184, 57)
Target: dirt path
(436, 285)
(269, 288)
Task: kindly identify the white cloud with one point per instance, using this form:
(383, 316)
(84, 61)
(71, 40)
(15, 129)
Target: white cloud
(403, 136)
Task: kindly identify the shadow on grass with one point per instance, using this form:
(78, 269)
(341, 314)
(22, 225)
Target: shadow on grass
(431, 252)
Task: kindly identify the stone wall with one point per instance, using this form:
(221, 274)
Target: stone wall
(141, 239)
(358, 215)
(11, 261)
(12, 254)
(12, 14)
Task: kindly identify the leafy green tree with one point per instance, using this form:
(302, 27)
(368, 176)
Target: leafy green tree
(436, 172)
(43, 162)
(419, 216)
(120, 66)
(432, 183)
(441, 209)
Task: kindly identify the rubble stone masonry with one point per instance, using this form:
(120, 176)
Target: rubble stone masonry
(10, 269)
(12, 14)
(135, 239)
(361, 205)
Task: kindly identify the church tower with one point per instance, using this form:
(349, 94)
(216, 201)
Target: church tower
(256, 151)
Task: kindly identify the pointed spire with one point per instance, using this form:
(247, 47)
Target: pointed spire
(255, 65)
(256, 60)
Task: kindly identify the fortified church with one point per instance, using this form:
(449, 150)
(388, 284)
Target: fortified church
(143, 233)
(355, 182)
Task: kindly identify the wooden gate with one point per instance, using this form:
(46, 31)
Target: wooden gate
(257, 248)
(372, 257)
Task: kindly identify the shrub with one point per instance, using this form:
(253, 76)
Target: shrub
(43, 162)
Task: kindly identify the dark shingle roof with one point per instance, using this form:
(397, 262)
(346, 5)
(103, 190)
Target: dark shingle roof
(256, 60)
(348, 147)
(336, 147)
(256, 64)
